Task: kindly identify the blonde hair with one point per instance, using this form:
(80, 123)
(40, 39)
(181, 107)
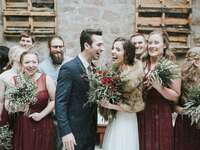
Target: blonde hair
(14, 53)
(28, 52)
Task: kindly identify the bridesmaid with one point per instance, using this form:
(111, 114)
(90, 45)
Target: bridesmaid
(155, 122)
(186, 136)
(6, 79)
(36, 131)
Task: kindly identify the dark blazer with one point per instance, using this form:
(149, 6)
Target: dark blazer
(72, 114)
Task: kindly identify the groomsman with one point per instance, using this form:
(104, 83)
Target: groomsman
(140, 43)
(26, 40)
(51, 66)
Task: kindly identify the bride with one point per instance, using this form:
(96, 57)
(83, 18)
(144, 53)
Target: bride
(122, 132)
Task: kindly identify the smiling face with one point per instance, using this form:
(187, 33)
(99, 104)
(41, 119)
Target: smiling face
(140, 44)
(30, 64)
(118, 53)
(96, 48)
(57, 51)
(194, 57)
(155, 45)
(26, 42)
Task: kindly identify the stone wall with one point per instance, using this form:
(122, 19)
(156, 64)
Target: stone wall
(195, 34)
(114, 17)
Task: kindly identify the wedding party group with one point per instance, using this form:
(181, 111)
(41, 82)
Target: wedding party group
(53, 104)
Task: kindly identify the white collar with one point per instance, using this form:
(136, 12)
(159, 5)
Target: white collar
(84, 61)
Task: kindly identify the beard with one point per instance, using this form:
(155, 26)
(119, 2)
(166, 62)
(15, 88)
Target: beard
(57, 57)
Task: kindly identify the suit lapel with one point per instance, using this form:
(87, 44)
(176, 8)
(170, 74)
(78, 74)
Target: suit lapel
(82, 70)
(80, 65)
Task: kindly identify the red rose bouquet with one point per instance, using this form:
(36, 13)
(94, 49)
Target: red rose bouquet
(106, 84)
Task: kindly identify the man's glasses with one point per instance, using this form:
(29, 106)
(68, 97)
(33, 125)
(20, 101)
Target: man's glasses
(57, 46)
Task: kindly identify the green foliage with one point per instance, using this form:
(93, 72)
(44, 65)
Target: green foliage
(21, 95)
(192, 105)
(6, 137)
(165, 71)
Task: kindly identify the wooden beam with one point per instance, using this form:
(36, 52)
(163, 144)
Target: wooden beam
(16, 13)
(15, 30)
(16, 5)
(17, 24)
(180, 50)
(178, 30)
(176, 21)
(43, 14)
(178, 44)
(44, 31)
(182, 39)
(43, 24)
(167, 10)
(152, 21)
(177, 4)
(150, 3)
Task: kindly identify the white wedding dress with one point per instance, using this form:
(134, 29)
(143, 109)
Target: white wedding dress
(122, 133)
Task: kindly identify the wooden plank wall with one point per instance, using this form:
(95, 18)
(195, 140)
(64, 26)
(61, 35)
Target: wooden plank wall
(37, 18)
(171, 16)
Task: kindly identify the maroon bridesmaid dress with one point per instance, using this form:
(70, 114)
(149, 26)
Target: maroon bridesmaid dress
(155, 122)
(186, 137)
(35, 135)
(4, 118)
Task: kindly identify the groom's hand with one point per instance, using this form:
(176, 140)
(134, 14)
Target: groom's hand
(68, 141)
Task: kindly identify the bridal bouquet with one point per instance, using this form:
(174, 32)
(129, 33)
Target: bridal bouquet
(165, 71)
(5, 137)
(106, 84)
(22, 95)
(192, 105)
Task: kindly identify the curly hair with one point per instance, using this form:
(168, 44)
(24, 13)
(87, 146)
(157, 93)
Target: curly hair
(190, 72)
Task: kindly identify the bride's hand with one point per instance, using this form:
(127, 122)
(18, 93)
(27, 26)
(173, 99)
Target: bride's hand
(106, 104)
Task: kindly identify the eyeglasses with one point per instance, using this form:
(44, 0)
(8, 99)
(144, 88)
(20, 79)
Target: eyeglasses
(57, 46)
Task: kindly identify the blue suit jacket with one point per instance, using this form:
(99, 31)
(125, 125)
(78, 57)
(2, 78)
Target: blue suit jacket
(71, 95)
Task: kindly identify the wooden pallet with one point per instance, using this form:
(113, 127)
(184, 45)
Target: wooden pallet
(36, 16)
(164, 3)
(172, 16)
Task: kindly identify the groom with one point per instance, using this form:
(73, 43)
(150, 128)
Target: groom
(76, 121)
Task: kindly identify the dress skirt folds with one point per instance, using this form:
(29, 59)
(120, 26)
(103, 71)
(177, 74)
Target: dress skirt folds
(187, 136)
(122, 133)
(155, 122)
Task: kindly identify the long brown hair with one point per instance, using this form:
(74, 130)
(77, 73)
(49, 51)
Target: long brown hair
(129, 50)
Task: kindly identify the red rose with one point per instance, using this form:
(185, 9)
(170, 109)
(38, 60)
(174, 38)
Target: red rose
(106, 81)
